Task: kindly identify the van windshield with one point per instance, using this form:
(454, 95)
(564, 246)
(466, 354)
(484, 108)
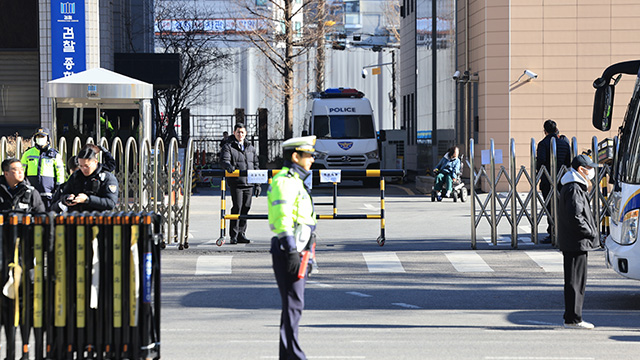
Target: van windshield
(629, 152)
(343, 127)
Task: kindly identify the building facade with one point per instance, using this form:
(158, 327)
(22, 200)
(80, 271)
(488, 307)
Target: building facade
(37, 37)
(427, 95)
(567, 44)
(358, 26)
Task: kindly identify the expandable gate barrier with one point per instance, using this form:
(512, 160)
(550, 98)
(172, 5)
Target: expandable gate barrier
(86, 284)
(152, 177)
(514, 209)
(316, 173)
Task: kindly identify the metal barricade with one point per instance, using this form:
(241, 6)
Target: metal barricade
(148, 179)
(316, 173)
(534, 206)
(81, 285)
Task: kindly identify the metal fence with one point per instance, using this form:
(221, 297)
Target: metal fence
(212, 126)
(527, 206)
(151, 178)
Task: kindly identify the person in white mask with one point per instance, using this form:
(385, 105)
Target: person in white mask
(43, 166)
(577, 234)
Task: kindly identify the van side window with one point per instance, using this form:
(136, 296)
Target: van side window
(321, 126)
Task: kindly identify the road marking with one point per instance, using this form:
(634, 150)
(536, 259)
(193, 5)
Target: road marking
(506, 240)
(319, 284)
(210, 242)
(468, 261)
(369, 207)
(383, 262)
(535, 358)
(321, 357)
(534, 322)
(213, 265)
(525, 228)
(549, 261)
(355, 293)
(408, 306)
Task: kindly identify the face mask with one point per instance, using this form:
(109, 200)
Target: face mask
(41, 141)
(591, 173)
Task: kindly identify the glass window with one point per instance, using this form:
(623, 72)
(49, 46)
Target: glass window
(352, 6)
(629, 161)
(344, 127)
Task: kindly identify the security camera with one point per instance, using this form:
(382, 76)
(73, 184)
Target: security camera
(364, 73)
(456, 75)
(530, 74)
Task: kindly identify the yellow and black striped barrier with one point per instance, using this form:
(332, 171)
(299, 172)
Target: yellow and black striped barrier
(347, 173)
(88, 283)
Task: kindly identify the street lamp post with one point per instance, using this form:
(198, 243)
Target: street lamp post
(392, 98)
(467, 129)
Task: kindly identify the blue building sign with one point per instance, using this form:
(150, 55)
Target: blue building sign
(68, 41)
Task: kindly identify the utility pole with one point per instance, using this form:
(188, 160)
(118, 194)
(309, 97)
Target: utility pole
(434, 76)
(320, 50)
(393, 89)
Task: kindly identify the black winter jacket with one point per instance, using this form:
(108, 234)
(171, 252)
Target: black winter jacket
(576, 222)
(233, 158)
(24, 198)
(543, 154)
(101, 187)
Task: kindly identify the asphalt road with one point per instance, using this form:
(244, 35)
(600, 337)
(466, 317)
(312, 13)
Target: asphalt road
(425, 294)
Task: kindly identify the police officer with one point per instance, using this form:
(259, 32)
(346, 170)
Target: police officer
(292, 219)
(91, 188)
(43, 165)
(15, 191)
(238, 154)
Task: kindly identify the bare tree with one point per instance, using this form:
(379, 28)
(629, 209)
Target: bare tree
(201, 56)
(286, 30)
(391, 14)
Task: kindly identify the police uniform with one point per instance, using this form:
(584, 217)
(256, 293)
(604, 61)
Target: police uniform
(293, 219)
(44, 168)
(23, 197)
(101, 188)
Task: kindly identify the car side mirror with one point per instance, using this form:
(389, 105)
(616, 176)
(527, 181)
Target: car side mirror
(603, 107)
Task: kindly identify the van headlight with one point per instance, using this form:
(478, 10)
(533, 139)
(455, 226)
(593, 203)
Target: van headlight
(616, 199)
(629, 232)
(372, 155)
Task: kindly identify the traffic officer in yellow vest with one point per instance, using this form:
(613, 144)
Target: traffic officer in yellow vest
(43, 166)
(292, 219)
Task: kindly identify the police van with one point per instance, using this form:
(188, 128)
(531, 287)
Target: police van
(343, 123)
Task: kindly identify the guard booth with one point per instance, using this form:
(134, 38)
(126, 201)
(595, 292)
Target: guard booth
(100, 103)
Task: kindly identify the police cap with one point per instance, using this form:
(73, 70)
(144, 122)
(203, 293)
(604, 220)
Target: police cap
(41, 131)
(303, 144)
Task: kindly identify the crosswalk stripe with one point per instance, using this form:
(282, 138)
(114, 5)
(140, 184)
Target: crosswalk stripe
(213, 265)
(383, 262)
(468, 261)
(549, 261)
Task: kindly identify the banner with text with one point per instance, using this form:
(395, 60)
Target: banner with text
(68, 42)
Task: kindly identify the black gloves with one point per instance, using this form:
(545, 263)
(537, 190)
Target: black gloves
(257, 190)
(293, 263)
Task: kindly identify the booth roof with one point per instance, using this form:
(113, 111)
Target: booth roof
(101, 83)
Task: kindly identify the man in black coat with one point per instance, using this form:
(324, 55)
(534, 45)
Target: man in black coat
(92, 187)
(238, 154)
(543, 157)
(577, 234)
(15, 191)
